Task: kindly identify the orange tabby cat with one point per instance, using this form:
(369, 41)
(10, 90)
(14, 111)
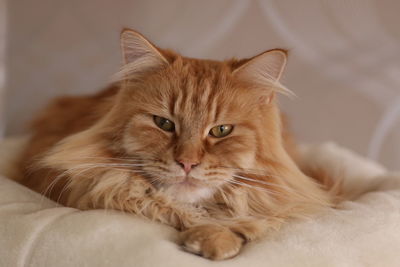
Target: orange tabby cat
(195, 144)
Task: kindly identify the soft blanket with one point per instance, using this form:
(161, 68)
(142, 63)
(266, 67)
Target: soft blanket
(365, 231)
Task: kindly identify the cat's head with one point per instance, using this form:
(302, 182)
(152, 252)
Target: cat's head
(195, 123)
(190, 125)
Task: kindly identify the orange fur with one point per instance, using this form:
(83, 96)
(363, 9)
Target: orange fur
(105, 151)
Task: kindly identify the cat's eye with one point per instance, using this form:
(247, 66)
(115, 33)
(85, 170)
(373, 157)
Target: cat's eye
(164, 124)
(221, 130)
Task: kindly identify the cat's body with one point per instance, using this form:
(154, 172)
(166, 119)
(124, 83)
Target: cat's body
(195, 144)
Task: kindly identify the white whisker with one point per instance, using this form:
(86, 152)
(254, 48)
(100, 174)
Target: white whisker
(252, 180)
(255, 187)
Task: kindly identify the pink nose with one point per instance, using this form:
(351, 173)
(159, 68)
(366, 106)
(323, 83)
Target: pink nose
(187, 166)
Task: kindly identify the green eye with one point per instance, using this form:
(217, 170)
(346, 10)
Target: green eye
(221, 130)
(164, 124)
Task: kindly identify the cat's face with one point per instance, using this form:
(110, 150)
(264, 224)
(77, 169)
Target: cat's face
(193, 124)
(191, 132)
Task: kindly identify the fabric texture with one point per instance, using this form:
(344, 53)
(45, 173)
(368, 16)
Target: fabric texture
(363, 232)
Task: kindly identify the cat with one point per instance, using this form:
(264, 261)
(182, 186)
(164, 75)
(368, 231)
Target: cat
(195, 144)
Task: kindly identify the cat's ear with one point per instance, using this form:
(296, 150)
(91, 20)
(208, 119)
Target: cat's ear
(139, 52)
(265, 68)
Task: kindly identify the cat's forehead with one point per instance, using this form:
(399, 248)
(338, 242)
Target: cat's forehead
(200, 71)
(203, 91)
(200, 83)
(202, 75)
(203, 94)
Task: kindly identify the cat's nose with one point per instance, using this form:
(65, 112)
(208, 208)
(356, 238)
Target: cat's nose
(187, 166)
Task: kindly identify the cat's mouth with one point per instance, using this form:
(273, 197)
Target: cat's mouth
(189, 181)
(186, 181)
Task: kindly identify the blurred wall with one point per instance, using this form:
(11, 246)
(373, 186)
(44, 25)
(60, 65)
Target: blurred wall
(3, 12)
(344, 61)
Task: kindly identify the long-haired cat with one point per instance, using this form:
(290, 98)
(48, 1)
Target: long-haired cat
(195, 144)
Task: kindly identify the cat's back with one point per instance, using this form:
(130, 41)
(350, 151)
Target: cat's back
(65, 116)
(62, 116)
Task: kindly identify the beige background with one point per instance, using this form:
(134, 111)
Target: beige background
(344, 56)
(3, 12)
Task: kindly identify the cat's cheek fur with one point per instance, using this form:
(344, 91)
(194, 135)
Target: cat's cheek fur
(238, 151)
(142, 136)
(246, 159)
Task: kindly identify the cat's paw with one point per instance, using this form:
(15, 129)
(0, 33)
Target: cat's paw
(251, 230)
(211, 241)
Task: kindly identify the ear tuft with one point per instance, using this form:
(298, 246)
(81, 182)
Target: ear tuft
(265, 69)
(138, 53)
(135, 46)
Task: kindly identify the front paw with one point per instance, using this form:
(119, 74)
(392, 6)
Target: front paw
(211, 241)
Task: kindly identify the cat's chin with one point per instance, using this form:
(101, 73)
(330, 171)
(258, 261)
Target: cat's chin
(189, 192)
